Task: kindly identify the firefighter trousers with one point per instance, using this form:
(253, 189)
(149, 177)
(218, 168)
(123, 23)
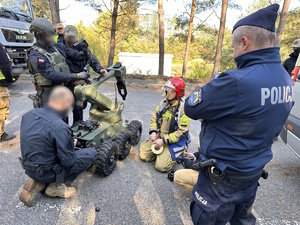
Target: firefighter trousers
(163, 161)
(186, 178)
(4, 107)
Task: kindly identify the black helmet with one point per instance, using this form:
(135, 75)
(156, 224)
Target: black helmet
(42, 27)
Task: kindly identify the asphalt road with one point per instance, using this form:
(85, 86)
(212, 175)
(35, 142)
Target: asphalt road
(134, 193)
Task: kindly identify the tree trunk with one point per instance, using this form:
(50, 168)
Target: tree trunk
(161, 38)
(220, 39)
(189, 37)
(54, 12)
(283, 16)
(57, 9)
(113, 33)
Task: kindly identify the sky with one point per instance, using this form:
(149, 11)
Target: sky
(73, 12)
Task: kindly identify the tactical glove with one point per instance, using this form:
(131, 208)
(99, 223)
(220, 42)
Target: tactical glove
(80, 76)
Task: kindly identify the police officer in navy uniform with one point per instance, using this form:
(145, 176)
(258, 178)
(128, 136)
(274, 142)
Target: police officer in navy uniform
(242, 111)
(47, 148)
(47, 60)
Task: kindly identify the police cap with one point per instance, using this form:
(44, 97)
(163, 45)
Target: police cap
(264, 18)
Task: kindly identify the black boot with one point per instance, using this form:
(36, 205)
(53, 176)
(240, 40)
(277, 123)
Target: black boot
(6, 137)
(171, 175)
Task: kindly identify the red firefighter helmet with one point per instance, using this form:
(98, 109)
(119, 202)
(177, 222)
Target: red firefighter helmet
(176, 84)
(294, 74)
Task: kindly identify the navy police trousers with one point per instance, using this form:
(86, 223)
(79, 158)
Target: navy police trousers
(85, 158)
(229, 201)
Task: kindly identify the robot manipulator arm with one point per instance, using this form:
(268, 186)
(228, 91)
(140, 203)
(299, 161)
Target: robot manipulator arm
(120, 72)
(91, 94)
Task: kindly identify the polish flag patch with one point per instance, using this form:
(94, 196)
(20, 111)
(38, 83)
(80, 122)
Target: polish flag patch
(41, 61)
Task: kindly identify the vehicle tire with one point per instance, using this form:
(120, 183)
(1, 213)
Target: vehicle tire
(123, 140)
(107, 156)
(135, 127)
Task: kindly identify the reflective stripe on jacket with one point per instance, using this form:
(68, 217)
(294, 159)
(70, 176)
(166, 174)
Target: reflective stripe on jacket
(165, 121)
(2, 77)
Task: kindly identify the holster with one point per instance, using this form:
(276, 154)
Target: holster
(215, 175)
(59, 171)
(36, 100)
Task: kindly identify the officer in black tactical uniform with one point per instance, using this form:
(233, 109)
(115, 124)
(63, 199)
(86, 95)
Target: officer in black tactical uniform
(71, 37)
(46, 61)
(289, 63)
(47, 148)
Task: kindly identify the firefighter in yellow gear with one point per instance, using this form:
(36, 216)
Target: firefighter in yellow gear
(60, 33)
(5, 80)
(187, 177)
(168, 129)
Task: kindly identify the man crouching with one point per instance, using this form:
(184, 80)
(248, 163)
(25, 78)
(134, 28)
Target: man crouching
(47, 148)
(168, 128)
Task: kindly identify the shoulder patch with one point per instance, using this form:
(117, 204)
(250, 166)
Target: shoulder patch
(195, 98)
(41, 64)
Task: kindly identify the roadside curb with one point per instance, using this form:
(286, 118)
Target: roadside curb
(138, 83)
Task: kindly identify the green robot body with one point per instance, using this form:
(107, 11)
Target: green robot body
(106, 130)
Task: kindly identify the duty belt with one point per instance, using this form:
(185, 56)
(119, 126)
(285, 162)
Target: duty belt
(57, 169)
(39, 168)
(216, 175)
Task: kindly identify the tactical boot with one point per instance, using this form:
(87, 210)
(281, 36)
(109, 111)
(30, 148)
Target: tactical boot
(30, 188)
(61, 191)
(7, 137)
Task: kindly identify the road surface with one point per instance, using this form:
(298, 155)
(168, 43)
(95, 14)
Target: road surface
(134, 193)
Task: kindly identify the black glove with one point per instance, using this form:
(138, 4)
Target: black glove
(81, 76)
(171, 175)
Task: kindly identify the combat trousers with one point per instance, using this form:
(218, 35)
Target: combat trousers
(228, 201)
(163, 161)
(77, 110)
(186, 179)
(85, 158)
(4, 107)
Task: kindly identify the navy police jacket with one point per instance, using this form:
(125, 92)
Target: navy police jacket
(242, 111)
(78, 66)
(46, 139)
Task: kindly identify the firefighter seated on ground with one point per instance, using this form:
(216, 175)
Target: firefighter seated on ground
(187, 177)
(168, 128)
